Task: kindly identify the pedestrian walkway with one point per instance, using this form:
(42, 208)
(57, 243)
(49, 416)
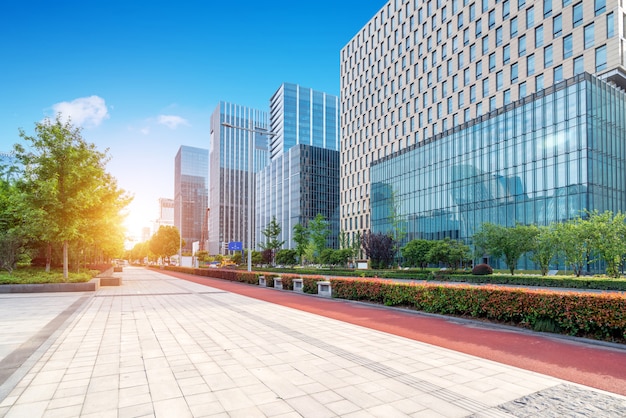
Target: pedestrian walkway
(162, 346)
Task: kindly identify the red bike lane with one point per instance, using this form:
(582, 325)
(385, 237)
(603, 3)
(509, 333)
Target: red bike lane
(575, 360)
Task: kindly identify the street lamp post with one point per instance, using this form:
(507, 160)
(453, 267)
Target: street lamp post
(250, 171)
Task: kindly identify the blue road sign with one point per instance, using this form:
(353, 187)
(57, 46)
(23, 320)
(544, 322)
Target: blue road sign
(235, 246)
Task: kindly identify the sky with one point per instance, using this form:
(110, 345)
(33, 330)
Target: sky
(142, 77)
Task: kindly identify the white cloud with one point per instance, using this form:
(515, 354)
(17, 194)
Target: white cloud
(145, 130)
(172, 121)
(84, 111)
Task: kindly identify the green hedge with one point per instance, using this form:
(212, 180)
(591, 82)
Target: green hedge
(569, 282)
(594, 315)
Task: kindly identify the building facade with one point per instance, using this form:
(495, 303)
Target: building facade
(302, 177)
(238, 150)
(421, 69)
(166, 213)
(191, 169)
(295, 187)
(546, 158)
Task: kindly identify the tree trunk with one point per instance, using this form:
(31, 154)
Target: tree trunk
(65, 272)
(48, 257)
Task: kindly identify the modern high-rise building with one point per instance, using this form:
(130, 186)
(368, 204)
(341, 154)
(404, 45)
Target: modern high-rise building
(302, 177)
(238, 136)
(489, 94)
(166, 213)
(191, 170)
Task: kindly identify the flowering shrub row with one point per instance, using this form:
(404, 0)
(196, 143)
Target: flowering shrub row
(598, 315)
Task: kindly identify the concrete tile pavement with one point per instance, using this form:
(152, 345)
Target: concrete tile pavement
(160, 346)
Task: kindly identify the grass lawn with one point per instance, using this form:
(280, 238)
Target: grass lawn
(34, 275)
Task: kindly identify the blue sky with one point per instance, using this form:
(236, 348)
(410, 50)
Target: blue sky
(143, 77)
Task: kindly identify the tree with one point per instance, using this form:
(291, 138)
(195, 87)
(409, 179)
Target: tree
(544, 248)
(166, 242)
(271, 234)
(510, 243)
(415, 252)
(450, 252)
(379, 248)
(608, 239)
(574, 243)
(65, 186)
(398, 224)
(301, 238)
(286, 257)
(318, 234)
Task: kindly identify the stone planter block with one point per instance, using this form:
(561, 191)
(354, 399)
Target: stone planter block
(298, 285)
(262, 281)
(278, 283)
(323, 289)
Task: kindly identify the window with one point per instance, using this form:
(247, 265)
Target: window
(513, 27)
(492, 61)
(522, 90)
(473, 53)
(521, 46)
(472, 12)
(499, 80)
(557, 26)
(460, 61)
(485, 87)
(521, 4)
(466, 77)
(601, 58)
(539, 82)
(547, 56)
(589, 36)
(461, 99)
(558, 73)
(485, 5)
(479, 69)
(538, 36)
(577, 14)
(506, 54)
(579, 65)
(479, 109)
(459, 22)
(567, 2)
(547, 8)
(479, 28)
(492, 104)
(492, 19)
(514, 73)
(499, 36)
(567, 46)
(530, 17)
(473, 94)
(530, 65)
(600, 6)
(485, 45)
(610, 25)
(507, 96)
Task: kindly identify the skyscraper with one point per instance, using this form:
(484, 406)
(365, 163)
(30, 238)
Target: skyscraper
(422, 71)
(229, 175)
(301, 179)
(191, 193)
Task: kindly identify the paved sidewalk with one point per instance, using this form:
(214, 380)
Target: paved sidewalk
(161, 346)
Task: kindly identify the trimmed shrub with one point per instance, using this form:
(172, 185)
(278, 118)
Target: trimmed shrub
(482, 270)
(309, 284)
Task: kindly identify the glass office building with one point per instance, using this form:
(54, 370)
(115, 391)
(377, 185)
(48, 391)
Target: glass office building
(297, 186)
(543, 159)
(230, 166)
(302, 178)
(191, 184)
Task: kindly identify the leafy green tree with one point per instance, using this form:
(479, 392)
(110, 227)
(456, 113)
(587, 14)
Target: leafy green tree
(544, 248)
(301, 238)
(415, 252)
(608, 239)
(450, 252)
(326, 257)
(286, 257)
(166, 242)
(271, 234)
(65, 186)
(510, 243)
(319, 232)
(574, 243)
(398, 224)
(257, 258)
(379, 248)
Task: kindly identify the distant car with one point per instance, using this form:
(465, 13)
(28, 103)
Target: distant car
(214, 264)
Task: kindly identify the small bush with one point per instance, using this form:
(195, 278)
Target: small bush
(482, 270)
